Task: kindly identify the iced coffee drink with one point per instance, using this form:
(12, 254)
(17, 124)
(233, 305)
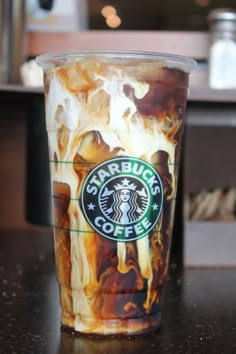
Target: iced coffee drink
(115, 123)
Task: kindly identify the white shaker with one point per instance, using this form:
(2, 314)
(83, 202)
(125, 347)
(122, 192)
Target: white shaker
(222, 53)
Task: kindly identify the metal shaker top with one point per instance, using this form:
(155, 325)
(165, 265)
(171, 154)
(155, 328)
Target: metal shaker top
(222, 14)
(223, 22)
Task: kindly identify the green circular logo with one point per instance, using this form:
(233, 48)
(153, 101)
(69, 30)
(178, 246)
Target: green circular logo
(122, 198)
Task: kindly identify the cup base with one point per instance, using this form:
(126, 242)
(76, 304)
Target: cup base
(113, 327)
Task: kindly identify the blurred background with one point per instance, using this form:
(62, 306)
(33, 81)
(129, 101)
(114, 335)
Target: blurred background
(181, 15)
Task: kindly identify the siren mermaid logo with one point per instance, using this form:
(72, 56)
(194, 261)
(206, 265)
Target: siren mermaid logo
(122, 198)
(124, 202)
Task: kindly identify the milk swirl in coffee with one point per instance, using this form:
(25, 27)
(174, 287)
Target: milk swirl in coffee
(114, 129)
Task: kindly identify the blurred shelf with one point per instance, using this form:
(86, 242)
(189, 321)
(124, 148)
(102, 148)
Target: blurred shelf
(209, 244)
(187, 43)
(18, 88)
(206, 94)
(196, 93)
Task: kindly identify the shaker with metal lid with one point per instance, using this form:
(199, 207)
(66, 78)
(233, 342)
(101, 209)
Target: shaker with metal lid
(222, 54)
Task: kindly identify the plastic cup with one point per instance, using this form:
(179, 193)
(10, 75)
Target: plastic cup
(115, 122)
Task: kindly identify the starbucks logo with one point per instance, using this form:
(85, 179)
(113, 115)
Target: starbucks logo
(122, 198)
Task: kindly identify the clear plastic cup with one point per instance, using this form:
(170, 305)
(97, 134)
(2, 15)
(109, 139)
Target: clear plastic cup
(115, 122)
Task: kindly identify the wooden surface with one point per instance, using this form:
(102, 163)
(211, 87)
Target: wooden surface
(191, 44)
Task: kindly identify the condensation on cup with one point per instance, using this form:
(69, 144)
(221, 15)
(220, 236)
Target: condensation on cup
(115, 123)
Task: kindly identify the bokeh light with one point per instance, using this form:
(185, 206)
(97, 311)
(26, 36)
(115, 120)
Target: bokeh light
(202, 3)
(108, 10)
(113, 21)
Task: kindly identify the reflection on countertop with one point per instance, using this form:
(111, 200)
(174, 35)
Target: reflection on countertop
(199, 314)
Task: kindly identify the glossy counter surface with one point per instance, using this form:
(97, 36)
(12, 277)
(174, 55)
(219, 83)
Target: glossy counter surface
(199, 315)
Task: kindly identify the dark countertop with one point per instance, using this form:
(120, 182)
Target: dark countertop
(199, 315)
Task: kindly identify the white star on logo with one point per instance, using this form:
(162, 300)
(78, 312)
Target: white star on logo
(125, 182)
(90, 206)
(155, 206)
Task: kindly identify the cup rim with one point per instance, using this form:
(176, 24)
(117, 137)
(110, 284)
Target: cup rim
(54, 59)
